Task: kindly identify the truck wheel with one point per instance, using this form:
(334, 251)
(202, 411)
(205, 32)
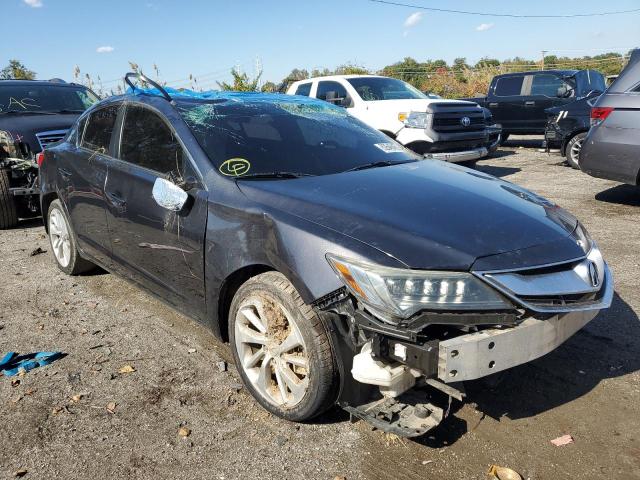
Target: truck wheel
(8, 212)
(63, 242)
(572, 150)
(281, 349)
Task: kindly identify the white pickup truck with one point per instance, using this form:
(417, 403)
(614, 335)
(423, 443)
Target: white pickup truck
(451, 130)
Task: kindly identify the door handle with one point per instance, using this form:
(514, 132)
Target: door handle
(530, 103)
(493, 104)
(115, 199)
(65, 174)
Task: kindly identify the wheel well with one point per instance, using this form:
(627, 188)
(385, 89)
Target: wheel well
(46, 201)
(566, 144)
(229, 288)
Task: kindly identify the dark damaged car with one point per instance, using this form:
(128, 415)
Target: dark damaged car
(340, 267)
(33, 115)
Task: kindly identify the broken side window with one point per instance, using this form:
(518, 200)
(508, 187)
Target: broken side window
(99, 128)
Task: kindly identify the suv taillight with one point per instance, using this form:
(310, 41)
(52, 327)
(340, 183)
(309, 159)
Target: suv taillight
(40, 158)
(599, 114)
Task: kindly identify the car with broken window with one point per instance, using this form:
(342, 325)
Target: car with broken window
(340, 267)
(33, 115)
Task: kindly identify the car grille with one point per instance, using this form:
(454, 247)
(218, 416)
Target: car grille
(554, 288)
(47, 138)
(451, 121)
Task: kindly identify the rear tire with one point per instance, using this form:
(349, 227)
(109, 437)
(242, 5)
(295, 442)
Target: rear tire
(8, 211)
(281, 349)
(572, 150)
(64, 246)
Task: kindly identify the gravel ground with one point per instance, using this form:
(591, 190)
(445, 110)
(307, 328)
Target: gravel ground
(85, 417)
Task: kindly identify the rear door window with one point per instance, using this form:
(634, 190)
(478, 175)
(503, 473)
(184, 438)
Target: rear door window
(148, 141)
(547, 85)
(304, 89)
(508, 86)
(97, 133)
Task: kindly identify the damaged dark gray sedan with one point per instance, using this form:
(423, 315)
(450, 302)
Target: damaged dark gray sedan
(341, 267)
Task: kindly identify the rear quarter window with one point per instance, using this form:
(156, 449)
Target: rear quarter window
(99, 127)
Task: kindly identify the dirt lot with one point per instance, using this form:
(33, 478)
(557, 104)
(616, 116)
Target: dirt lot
(589, 388)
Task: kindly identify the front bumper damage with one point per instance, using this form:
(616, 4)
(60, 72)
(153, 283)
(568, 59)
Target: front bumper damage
(403, 379)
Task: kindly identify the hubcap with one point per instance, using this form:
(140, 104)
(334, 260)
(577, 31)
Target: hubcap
(272, 351)
(59, 236)
(575, 151)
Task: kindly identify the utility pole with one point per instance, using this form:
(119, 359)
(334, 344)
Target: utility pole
(544, 52)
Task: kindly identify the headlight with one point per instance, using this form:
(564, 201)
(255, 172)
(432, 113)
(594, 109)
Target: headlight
(583, 239)
(415, 119)
(402, 292)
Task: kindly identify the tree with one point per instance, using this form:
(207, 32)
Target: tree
(241, 82)
(16, 71)
(269, 87)
(487, 63)
(350, 69)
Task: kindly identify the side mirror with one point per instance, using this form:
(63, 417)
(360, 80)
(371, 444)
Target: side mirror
(168, 195)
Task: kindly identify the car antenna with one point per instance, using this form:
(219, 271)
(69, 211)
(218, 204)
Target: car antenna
(145, 79)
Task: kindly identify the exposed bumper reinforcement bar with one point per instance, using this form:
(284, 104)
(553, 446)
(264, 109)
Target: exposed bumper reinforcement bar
(455, 157)
(477, 355)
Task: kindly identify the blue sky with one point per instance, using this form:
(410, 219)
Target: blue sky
(207, 38)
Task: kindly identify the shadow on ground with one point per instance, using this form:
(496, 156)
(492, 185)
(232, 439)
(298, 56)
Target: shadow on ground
(524, 142)
(497, 171)
(621, 194)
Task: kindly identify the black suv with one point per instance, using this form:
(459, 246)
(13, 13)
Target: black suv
(518, 101)
(33, 115)
(341, 267)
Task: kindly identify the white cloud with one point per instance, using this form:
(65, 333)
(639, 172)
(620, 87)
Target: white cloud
(413, 19)
(33, 3)
(483, 27)
(105, 49)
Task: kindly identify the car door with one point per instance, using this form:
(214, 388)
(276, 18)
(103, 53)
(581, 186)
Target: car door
(81, 175)
(507, 102)
(543, 90)
(160, 249)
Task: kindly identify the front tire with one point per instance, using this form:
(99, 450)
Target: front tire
(63, 242)
(8, 212)
(281, 349)
(573, 148)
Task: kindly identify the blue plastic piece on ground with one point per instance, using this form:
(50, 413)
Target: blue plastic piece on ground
(12, 364)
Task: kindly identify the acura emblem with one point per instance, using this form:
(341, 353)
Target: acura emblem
(593, 274)
(465, 121)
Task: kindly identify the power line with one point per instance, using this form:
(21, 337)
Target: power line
(510, 15)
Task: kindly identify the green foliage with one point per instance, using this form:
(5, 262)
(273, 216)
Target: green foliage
(16, 71)
(269, 87)
(349, 69)
(241, 82)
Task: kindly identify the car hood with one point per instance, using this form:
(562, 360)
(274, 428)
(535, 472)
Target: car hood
(429, 215)
(25, 127)
(411, 105)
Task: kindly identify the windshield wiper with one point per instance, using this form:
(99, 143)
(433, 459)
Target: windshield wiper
(275, 175)
(27, 112)
(66, 110)
(383, 163)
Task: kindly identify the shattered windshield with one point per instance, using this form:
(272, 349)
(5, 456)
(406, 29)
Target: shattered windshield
(264, 135)
(382, 88)
(44, 99)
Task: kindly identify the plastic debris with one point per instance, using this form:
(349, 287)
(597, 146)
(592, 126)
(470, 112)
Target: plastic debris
(111, 407)
(20, 473)
(563, 440)
(503, 473)
(127, 369)
(13, 364)
(184, 432)
(222, 366)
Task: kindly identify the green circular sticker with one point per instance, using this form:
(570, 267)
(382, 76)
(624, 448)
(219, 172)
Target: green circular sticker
(234, 167)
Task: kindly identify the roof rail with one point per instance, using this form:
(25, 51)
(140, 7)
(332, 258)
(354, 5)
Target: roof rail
(146, 79)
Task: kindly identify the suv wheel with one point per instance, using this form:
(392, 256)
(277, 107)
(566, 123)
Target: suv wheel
(281, 348)
(8, 213)
(63, 242)
(572, 150)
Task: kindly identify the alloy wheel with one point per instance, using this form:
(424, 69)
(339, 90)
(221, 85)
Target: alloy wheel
(60, 241)
(575, 151)
(272, 351)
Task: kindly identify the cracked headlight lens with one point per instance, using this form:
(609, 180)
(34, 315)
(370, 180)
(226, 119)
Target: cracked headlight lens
(401, 292)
